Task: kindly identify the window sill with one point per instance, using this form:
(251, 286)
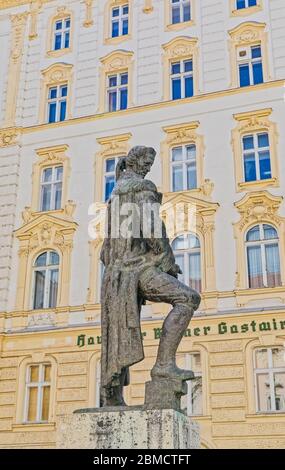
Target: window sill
(247, 11)
(59, 52)
(179, 26)
(118, 39)
(34, 427)
(257, 185)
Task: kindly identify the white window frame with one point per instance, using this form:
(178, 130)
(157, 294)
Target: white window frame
(184, 162)
(181, 4)
(250, 62)
(53, 184)
(48, 268)
(188, 366)
(182, 76)
(186, 253)
(270, 371)
(58, 100)
(118, 88)
(39, 385)
(120, 19)
(108, 173)
(62, 32)
(256, 149)
(261, 243)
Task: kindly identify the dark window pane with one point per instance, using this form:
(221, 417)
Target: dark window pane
(176, 89)
(46, 198)
(175, 14)
(53, 288)
(110, 165)
(115, 29)
(47, 175)
(124, 79)
(256, 52)
(113, 101)
(62, 111)
(125, 27)
(191, 176)
(39, 289)
(58, 25)
(188, 66)
(124, 99)
(125, 10)
(52, 93)
(177, 178)
(248, 142)
(177, 154)
(244, 79)
(58, 192)
(257, 73)
(109, 185)
(57, 42)
(240, 4)
(67, 23)
(41, 260)
(66, 42)
(251, 3)
(189, 87)
(249, 167)
(264, 165)
(64, 91)
(113, 81)
(115, 12)
(186, 12)
(175, 68)
(263, 140)
(52, 112)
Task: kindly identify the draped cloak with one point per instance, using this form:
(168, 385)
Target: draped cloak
(125, 259)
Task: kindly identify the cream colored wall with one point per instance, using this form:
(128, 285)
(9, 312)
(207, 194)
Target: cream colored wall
(229, 415)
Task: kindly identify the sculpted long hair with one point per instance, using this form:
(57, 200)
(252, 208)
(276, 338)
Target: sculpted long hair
(131, 159)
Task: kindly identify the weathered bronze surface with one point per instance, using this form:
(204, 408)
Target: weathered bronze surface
(140, 267)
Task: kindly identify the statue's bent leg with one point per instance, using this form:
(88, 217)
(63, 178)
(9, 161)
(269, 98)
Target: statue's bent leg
(162, 287)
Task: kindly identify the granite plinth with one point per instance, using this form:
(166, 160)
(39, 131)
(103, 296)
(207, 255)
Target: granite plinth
(127, 428)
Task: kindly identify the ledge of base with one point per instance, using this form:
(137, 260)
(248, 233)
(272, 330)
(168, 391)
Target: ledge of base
(127, 427)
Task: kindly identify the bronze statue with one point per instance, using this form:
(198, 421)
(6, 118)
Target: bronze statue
(140, 268)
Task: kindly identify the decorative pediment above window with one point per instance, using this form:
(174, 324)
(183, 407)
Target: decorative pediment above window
(57, 73)
(183, 133)
(46, 231)
(117, 60)
(258, 207)
(180, 47)
(247, 33)
(114, 145)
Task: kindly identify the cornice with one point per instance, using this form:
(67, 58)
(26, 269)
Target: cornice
(4, 4)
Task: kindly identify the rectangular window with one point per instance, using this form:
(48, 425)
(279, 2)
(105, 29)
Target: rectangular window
(109, 176)
(57, 103)
(245, 4)
(256, 157)
(180, 11)
(269, 372)
(184, 168)
(117, 91)
(120, 21)
(250, 66)
(192, 403)
(62, 34)
(51, 188)
(37, 398)
(181, 76)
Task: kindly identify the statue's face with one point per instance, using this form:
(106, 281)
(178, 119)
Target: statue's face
(145, 163)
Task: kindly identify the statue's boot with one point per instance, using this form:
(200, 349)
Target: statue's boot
(115, 397)
(171, 371)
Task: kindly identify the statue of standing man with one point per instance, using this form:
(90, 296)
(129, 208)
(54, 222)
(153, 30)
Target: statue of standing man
(139, 266)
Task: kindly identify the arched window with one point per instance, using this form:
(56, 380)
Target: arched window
(46, 270)
(184, 167)
(187, 252)
(263, 261)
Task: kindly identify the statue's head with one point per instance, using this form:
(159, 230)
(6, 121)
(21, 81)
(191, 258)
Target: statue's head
(139, 159)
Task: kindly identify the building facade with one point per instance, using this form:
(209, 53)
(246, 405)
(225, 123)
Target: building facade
(202, 82)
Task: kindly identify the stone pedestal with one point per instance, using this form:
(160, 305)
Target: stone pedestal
(127, 428)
